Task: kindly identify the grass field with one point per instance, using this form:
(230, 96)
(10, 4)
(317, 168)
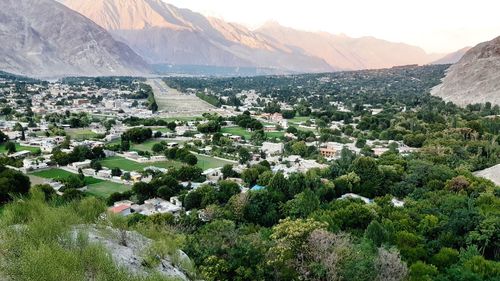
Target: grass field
(96, 187)
(128, 165)
(238, 131)
(80, 134)
(58, 174)
(19, 148)
(299, 119)
(204, 162)
(207, 162)
(106, 188)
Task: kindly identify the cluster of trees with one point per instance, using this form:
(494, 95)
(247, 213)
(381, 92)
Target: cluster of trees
(79, 153)
(137, 135)
(246, 121)
(12, 183)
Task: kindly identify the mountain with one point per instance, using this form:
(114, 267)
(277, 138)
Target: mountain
(453, 57)
(475, 78)
(345, 52)
(165, 34)
(43, 38)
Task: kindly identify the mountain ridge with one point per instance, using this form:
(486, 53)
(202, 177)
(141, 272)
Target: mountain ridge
(43, 38)
(163, 33)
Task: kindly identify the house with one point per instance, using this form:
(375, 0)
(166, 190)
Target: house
(356, 196)
(104, 174)
(81, 165)
(159, 206)
(20, 154)
(122, 209)
(32, 164)
(328, 152)
(271, 148)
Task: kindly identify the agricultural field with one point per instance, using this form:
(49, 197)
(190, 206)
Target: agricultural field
(20, 148)
(298, 119)
(147, 145)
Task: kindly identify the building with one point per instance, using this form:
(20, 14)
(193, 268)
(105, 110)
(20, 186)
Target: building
(271, 148)
(81, 165)
(327, 152)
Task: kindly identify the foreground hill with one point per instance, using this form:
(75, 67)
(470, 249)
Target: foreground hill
(163, 33)
(43, 38)
(475, 78)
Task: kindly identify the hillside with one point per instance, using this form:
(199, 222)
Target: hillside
(43, 38)
(475, 78)
(453, 57)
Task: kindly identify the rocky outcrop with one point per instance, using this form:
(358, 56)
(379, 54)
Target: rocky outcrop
(43, 38)
(131, 255)
(475, 78)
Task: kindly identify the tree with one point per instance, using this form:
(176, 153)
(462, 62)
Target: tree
(10, 147)
(228, 172)
(370, 175)
(376, 233)
(302, 205)
(158, 148)
(116, 172)
(389, 265)
(12, 183)
(96, 165)
(190, 159)
(420, 271)
(226, 190)
(3, 137)
(244, 155)
(125, 145)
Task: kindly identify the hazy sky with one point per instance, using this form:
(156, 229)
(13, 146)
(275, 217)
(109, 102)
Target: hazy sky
(435, 25)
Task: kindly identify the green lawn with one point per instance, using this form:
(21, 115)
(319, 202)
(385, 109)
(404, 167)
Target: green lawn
(298, 119)
(80, 134)
(145, 146)
(19, 148)
(96, 187)
(128, 165)
(106, 188)
(58, 174)
(238, 131)
(204, 162)
(208, 162)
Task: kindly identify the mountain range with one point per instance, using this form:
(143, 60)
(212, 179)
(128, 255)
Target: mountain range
(43, 38)
(162, 33)
(475, 78)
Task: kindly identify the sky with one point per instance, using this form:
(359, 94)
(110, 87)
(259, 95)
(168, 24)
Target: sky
(438, 26)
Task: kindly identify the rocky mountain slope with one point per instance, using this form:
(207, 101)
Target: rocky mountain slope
(475, 78)
(43, 38)
(453, 57)
(162, 33)
(345, 52)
